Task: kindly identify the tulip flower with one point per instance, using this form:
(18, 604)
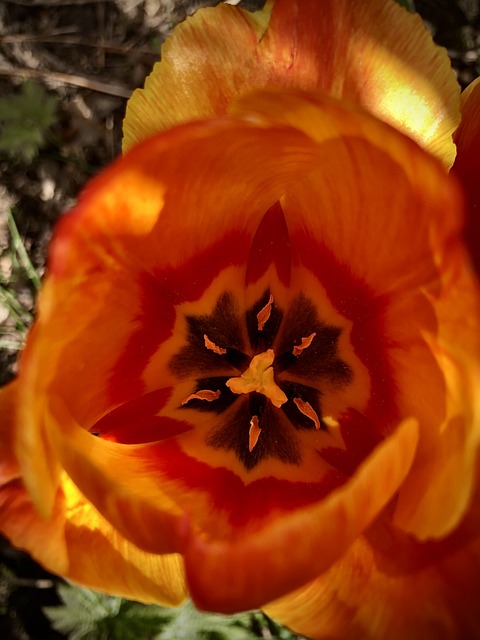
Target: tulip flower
(253, 374)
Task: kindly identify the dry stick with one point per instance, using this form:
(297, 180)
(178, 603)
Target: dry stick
(53, 3)
(76, 81)
(52, 38)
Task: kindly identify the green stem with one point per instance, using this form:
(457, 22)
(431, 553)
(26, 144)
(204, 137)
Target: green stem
(21, 252)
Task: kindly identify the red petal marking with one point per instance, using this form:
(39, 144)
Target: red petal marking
(205, 394)
(156, 314)
(254, 433)
(306, 342)
(360, 437)
(467, 167)
(271, 245)
(354, 299)
(212, 346)
(137, 422)
(307, 410)
(242, 504)
(264, 314)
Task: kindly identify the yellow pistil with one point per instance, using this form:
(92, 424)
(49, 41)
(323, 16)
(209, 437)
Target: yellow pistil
(259, 377)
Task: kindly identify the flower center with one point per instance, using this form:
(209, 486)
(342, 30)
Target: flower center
(277, 391)
(259, 377)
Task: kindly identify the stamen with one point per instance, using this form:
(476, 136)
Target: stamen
(212, 346)
(306, 342)
(264, 314)
(307, 410)
(254, 433)
(205, 394)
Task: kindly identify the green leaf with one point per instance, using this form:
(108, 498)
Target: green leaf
(25, 119)
(83, 614)
(87, 615)
(188, 623)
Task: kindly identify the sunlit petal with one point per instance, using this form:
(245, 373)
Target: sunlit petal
(374, 54)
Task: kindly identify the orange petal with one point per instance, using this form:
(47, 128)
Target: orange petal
(293, 548)
(19, 520)
(374, 54)
(384, 256)
(115, 565)
(80, 545)
(209, 58)
(132, 499)
(371, 162)
(27, 530)
(9, 469)
(467, 165)
(388, 585)
(115, 251)
(439, 487)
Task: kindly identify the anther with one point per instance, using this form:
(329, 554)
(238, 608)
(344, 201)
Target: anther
(307, 410)
(212, 346)
(254, 433)
(205, 394)
(306, 342)
(264, 314)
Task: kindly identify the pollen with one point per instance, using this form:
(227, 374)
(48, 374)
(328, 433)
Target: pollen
(254, 433)
(259, 377)
(205, 394)
(307, 410)
(211, 346)
(306, 342)
(264, 314)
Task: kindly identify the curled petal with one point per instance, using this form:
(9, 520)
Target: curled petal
(439, 489)
(76, 541)
(293, 548)
(389, 585)
(80, 545)
(114, 564)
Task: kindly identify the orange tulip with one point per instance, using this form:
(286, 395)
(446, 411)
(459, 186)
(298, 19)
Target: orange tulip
(253, 373)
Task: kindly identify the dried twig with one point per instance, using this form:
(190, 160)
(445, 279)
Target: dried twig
(77, 42)
(53, 3)
(65, 78)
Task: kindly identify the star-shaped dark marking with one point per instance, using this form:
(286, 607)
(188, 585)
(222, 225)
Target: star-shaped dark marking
(307, 351)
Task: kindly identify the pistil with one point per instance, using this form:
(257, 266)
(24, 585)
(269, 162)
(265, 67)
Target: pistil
(259, 377)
